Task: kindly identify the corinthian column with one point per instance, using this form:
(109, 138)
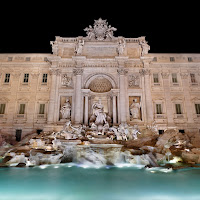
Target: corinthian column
(54, 73)
(122, 94)
(114, 110)
(86, 110)
(148, 97)
(78, 95)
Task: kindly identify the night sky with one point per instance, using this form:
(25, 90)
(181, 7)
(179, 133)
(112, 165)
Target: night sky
(28, 27)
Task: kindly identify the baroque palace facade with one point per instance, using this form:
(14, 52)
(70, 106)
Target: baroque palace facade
(134, 86)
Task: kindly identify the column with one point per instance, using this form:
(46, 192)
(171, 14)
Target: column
(148, 97)
(86, 110)
(187, 95)
(122, 94)
(52, 98)
(114, 109)
(78, 95)
(168, 102)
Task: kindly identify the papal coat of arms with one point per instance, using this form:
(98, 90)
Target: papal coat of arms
(100, 31)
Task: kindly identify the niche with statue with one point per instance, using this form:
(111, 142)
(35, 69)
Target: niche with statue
(65, 108)
(135, 108)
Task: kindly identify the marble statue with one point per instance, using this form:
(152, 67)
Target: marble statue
(121, 47)
(90, 32)
(135, 109)
(79, 47)
(66, 110)
(145, 47)
(99, 113)
(135, 132)
(153, 127)
(109, 32)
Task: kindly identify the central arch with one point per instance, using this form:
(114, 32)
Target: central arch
(100, 82)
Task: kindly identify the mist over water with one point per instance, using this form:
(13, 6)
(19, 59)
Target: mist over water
(72, 182)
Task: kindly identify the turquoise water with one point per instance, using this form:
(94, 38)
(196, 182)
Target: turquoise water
(69, 182)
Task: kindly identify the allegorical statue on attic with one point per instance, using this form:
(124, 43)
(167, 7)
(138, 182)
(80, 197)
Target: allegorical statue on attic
(79, 47)
(100, 31)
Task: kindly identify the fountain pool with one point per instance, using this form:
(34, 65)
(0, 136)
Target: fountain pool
(74, 182)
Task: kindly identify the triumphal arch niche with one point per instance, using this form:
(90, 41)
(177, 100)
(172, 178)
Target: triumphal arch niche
(100, 67)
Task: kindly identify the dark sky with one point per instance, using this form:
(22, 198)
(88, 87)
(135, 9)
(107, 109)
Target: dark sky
(28, 27)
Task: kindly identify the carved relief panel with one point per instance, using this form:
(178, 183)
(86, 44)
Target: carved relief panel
(66, 80)
(134, 80)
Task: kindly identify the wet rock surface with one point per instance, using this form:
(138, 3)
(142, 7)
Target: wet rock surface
(116, 145)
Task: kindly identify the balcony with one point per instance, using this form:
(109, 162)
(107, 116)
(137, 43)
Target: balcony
(160, 116)
(41, 116)
(180, 118)
(196, 118)
(3, 118)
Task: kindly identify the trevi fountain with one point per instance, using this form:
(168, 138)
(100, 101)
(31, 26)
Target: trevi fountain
(102, 155)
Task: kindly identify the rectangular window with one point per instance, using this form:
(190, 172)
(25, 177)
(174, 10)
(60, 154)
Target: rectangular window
(44, 78)
(22, 109)
(172, 59)
(155, 59)
(42, 107)
(28, 58)
(2, 108)
(18, 135)
(158, 109)
(197, 108)
(178, 109)
(155, 78)
(190, 59)
(10, 58)
(174, 78)
(7, 78)
(26, 76)
(160, 131)
(192, 77)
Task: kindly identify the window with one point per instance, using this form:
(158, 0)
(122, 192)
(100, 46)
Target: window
(172, 59)
(155, 78)
(158, 109)
(22, 109)
(26, 76)
(28, 58)
(10, 58)
(192, 77)
(155, 59)
(39, 131)
(181, 131)
(174, 78)
(190, 59)
(42, 109)
(18, 135)
(160, 131)
(178, 108)
(44, 78)
(197, 108)
(7, 78)
(2, 108)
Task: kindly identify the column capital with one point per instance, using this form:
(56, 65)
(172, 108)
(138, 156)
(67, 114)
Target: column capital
(78, 71)
(55, 71)
(184, 75)
(144, 72)
(34, 76)
(165, 75)
(16, 75)
(122, 71)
